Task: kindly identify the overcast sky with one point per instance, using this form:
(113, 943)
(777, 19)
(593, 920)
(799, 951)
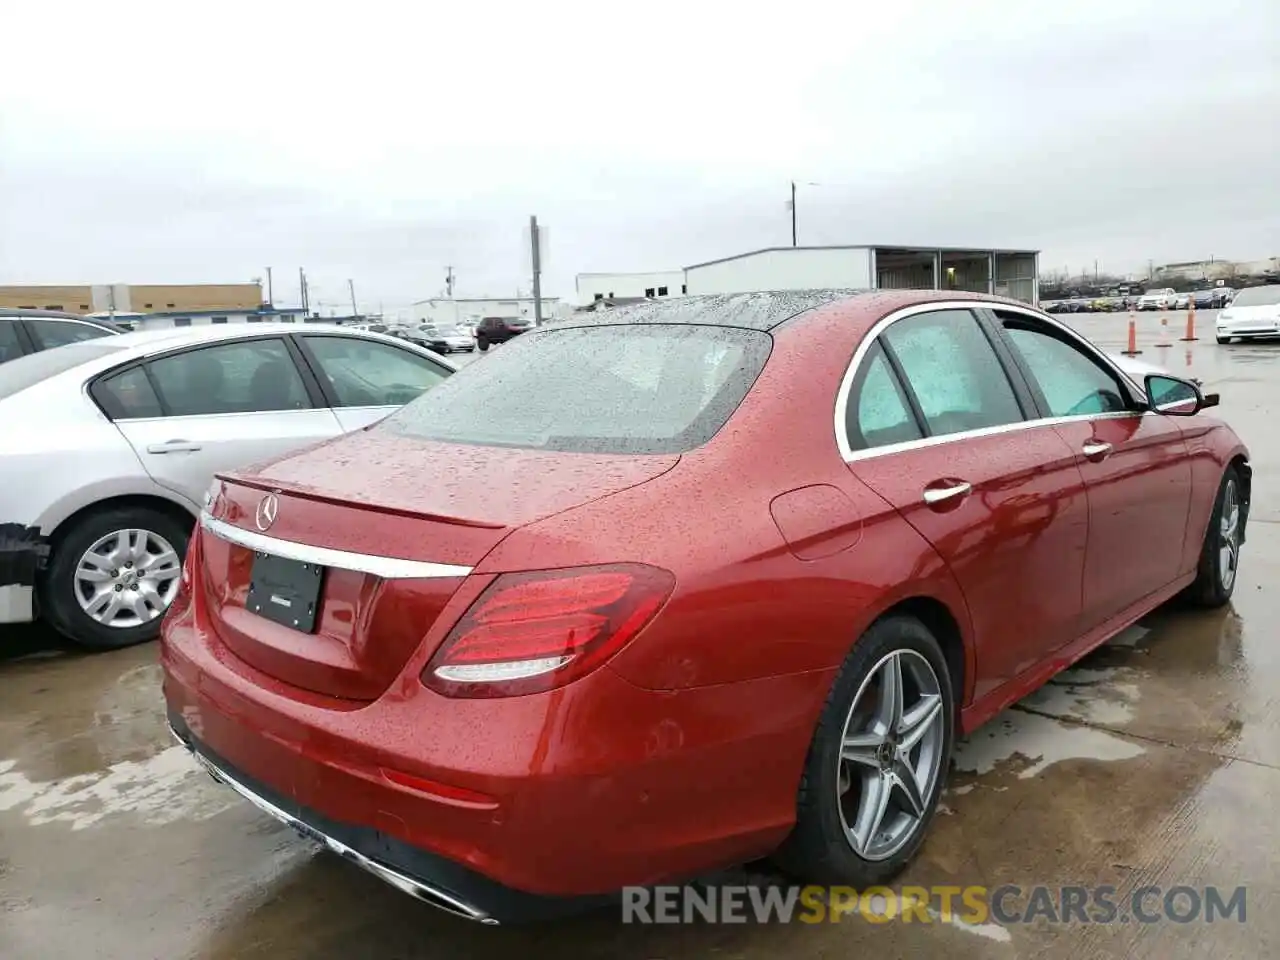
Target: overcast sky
(164, 142)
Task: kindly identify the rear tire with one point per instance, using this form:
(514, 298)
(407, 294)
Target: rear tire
(91, 560)
(1219, 565)
(838, 839)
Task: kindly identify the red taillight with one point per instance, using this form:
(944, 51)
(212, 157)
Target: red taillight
(530, 632)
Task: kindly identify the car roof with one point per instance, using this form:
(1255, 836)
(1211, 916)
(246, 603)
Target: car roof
(107, 353)
(54, 315)
(764, 311)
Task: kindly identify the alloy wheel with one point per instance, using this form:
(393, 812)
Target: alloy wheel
(890, 754)
(127, 578)
(1229, 536)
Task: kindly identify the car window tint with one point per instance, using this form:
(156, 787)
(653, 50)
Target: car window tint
(58, 333)
(127, 396)
(10, 348)
(253, 376)
(879, 414)
(953, 371)
(1073, 384)
(365, 373)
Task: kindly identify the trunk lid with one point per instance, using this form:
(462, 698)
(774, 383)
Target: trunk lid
(374, 497)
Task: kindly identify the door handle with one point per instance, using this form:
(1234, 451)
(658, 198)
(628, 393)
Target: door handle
(173, 446)
(936, 495)
(1096, 449)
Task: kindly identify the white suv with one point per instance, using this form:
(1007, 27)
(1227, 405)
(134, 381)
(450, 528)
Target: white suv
(1161, 298)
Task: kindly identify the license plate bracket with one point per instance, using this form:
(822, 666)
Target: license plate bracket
(285, 591)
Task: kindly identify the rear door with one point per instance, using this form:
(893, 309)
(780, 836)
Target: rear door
(364, 380)
(192, 413)
(938, 428)
(1135, 464)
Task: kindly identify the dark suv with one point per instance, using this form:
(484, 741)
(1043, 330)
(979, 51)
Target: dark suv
(499, 330)
(25, 331)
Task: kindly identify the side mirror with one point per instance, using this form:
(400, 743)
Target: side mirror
(1174, 397)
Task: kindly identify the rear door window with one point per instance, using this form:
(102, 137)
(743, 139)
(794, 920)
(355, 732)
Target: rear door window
(624, 388)
(953, 372)
(248, 377)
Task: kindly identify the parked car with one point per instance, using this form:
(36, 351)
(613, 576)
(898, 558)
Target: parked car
(30, 331)
(1205, 299)
(110, 444)
(493, 330)
(672, 592)
(441, 339)
(1254, 313)
(1181, 301)
(1157, 299)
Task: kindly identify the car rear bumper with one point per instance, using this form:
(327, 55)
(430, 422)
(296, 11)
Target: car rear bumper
(593, 787)
(22, 553)
(435, 880)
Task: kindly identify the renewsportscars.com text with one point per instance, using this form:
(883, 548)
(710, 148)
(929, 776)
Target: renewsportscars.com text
(1006, 905)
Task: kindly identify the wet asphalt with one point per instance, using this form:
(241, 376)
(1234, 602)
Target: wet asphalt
(1154, 762)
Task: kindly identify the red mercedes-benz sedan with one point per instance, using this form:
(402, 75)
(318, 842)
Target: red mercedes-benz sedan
(680, 585)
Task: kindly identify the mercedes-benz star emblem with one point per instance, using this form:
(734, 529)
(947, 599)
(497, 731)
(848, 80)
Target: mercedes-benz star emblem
(267, 511)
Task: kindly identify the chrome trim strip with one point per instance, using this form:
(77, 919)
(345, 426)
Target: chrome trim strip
(415, 888)
(388, 568)
(846, 382)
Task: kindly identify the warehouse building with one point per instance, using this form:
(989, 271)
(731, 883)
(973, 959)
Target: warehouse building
(175, 298)
(1009, 273)
(471, 310)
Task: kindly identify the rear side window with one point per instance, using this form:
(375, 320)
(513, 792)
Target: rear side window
(10, 347)
(953, 371)
(879, 414)
(610, 389)
(128, 396)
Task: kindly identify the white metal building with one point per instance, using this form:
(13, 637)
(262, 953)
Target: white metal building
(473, 310)
(610, 286)
(164, 319)
(1011, 273)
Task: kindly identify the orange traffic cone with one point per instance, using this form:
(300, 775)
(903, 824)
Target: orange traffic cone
(1133, 350)
(1191, 322)
(1164, 333)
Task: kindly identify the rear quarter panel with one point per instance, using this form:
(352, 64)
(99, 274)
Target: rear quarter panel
(71, 457)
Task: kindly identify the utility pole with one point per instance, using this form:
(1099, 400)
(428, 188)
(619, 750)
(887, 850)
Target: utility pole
(302, 289)
(351, 285)
(448, 286)
(270, 296)
(793, 213)
(537, 272)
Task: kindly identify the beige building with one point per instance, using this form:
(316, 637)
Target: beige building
(135, 298)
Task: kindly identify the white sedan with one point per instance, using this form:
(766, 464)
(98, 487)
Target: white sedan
(109, 446)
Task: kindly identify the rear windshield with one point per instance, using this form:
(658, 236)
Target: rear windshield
(1248, 297)
(17, 375)
(609, 389)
